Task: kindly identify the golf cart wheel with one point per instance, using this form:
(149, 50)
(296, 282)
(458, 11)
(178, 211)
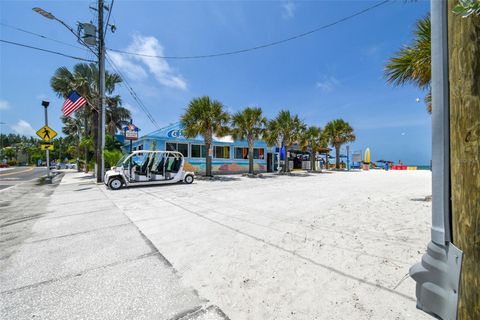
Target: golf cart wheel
(115, 183)
(188, 179)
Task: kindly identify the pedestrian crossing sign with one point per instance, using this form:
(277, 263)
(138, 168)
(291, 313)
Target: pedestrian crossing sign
(46, 146)
(46, 134)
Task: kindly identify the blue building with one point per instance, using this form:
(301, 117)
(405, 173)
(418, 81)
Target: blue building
(228, 156)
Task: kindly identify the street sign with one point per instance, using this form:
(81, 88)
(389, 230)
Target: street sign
(46, 146)
(131, 132)
(46, 134)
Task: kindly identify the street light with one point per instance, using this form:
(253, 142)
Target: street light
(44, 13)
(101, 83)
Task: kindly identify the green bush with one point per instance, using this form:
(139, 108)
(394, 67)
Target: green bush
(111, 158)
(11, 163)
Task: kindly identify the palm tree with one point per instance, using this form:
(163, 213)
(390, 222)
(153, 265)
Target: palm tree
(412, 64)
(205, 117)
(287, 130)
(338, 132)
(312, 140)
(117, 117)
(84, 80)
(248, 124)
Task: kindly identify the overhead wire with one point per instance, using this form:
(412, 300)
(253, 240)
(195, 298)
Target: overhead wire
(108, 18)
(133, 93)
(45, 50)
(262, 46)
(41, 36)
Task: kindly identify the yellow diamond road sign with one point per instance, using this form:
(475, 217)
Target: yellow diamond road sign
(46, 133)
(46, 146)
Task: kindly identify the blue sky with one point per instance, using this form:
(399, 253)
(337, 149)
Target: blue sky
(334, 73)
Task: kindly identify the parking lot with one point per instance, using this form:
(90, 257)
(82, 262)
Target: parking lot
(336, 245)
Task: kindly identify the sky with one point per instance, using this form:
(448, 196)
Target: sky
(337, 72)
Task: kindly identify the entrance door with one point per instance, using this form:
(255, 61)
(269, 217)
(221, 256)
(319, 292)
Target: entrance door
(269, 162)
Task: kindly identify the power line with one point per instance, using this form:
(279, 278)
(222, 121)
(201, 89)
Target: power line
(108, 17)
(40, 35)
(133, 93)
(262, 46)
(45, 50)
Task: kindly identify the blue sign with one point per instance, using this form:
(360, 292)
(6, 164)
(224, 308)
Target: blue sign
(175, 133)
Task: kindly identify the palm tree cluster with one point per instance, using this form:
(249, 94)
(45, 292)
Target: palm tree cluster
(412, 63)
(207, 118)
(82, 128)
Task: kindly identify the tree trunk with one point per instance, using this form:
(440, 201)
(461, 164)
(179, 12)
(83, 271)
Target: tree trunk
(250, 156)
(208, 160)
(312, 160)
(337, 156)
(287, 160)
(464, 78)
(86, 135)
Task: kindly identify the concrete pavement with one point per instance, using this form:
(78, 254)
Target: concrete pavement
(69, 252)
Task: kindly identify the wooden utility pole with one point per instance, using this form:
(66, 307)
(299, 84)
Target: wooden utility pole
(464, 78)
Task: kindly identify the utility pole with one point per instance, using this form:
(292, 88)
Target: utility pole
(464, 68)
(101, 89)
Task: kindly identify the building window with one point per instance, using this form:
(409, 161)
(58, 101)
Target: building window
(198, 151)
(242, 153)
(221, 152)
(180, 147)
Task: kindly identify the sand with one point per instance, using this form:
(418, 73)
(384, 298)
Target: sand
(322, 246)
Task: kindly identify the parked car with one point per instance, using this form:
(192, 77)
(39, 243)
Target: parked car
(3, 165)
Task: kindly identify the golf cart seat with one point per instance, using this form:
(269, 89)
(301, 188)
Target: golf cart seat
(143, 169)
(159, 168)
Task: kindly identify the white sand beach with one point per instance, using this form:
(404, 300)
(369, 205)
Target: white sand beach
(323, 246)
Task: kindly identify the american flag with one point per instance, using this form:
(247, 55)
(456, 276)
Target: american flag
(73, 103)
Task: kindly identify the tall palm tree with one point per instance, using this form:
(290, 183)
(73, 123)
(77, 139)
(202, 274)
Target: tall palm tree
(117, 117)
(339, 132)
(312, 140)
(286, 129)
(412, 64)
(205, 117)
(248, 124)
(84, 80)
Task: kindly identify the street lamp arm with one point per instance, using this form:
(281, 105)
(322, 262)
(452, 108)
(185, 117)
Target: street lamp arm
(50, 16)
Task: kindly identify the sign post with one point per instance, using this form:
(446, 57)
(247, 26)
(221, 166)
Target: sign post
(46, 134)
(131, 133)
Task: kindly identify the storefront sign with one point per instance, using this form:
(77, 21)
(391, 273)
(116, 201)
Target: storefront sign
(175, 133)
(131, 132)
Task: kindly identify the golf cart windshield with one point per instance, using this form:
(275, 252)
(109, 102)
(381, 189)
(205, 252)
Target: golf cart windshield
(122, 160)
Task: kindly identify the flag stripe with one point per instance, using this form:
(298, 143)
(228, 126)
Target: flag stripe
(77, 105)
(73, 102)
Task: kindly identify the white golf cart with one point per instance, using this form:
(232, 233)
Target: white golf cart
(146, 167)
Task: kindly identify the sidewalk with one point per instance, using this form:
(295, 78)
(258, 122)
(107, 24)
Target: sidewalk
(85, 259)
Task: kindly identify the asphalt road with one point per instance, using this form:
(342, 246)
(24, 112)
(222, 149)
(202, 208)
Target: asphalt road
(15, 175)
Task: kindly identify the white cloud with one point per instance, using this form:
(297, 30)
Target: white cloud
(4, 105)
(132, 109)
(136, 66)
(288, 9)
(133, 71)
(24, 128)
(328, 84)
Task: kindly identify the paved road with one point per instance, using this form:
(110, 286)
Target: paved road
(15, 175)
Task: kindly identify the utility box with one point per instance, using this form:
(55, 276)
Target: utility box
(89, 33)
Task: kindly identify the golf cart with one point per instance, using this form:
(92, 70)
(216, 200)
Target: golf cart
(146, 167)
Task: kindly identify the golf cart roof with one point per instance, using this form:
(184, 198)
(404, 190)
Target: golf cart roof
(175, 153)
